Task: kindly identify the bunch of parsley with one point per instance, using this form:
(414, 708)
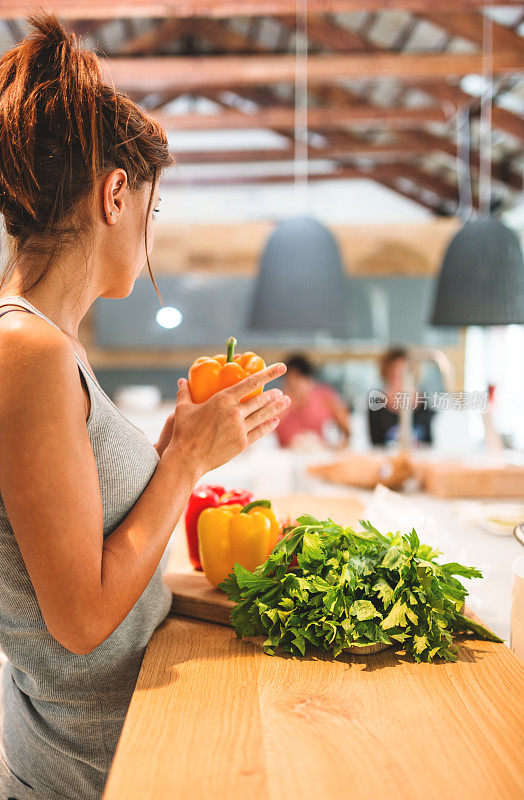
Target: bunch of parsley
(332, 587)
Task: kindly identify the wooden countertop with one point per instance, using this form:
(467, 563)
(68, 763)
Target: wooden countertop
(213, 716)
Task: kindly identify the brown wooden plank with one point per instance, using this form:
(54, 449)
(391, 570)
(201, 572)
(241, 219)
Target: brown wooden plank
(451, 94)
(326, 118)
(200, 733)
(100, 9)
(213, 715)
(442, 90)
(201, 72)
(351, 149)
(149, 41)
(470, 26)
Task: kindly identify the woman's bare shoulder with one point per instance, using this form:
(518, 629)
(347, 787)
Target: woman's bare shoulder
(34, 353)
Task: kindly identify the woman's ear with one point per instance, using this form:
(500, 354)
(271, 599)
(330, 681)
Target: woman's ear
(113, 195)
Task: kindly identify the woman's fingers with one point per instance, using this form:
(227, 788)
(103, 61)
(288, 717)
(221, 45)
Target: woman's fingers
(259, 400)
(183, 394)
(267, 411)
(262, 430)
(255, 381)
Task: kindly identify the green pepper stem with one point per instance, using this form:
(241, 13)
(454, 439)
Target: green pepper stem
(231, 344)
(254, 504)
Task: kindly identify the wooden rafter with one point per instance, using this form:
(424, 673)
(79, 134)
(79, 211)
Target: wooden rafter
(470, 26)
(331, 35)
(454, 96)
(350, 146)
(430, 141)
(100, 9)
(202, 72)
(150, 41)
(339, 101)
(441, 90)
(283, 117)
(324, 32)
(349, 150)
(339, 173)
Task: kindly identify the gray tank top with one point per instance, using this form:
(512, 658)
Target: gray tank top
(63, 712)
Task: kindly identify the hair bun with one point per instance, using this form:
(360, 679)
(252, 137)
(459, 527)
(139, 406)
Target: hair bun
(61, 126)
(49, 96)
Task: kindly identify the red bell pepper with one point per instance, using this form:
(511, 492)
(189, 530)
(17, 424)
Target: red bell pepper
(205, 497)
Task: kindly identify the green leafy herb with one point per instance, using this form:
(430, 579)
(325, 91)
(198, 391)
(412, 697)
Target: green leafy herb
(332, 587)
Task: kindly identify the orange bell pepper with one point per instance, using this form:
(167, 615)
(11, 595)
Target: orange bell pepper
(231, 534)
(207, 376)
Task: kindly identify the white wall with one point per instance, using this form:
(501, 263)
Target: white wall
(341, 201)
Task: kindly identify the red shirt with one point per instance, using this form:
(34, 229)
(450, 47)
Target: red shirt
(312, 416)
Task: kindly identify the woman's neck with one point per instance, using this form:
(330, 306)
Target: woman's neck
(54, 299)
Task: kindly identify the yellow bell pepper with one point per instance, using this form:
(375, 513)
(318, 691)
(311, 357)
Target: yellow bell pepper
(231, 534)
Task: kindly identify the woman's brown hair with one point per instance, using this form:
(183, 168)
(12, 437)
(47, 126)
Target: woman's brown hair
(61, 128)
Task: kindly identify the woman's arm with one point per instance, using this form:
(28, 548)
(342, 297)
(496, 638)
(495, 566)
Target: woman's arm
(86, 586)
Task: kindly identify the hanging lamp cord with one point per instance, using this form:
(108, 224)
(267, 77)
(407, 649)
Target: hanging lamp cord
(486, 103)
(463, 135)
(301, 139)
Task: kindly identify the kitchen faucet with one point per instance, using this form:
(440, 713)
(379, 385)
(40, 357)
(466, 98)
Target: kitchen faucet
(420, 355)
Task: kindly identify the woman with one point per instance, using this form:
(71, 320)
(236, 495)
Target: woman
(87, 504)
(384, 422)
(314, 406)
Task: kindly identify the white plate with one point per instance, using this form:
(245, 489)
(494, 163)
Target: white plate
(499, 518)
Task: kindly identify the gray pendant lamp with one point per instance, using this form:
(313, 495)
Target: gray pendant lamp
(301, 284)
(482, 277)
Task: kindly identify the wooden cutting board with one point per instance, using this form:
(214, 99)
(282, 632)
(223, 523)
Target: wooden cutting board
(453, 479)
(193, 595)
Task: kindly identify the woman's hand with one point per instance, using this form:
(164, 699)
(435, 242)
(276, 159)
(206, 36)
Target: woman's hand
(211, 433)
(165, 436)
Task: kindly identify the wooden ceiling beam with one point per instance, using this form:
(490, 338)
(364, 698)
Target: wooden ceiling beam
(441, 90)
(351, 150)
(202, 72)
(226, 38)
(101, 9)
(452, 94)
(326, 118)
(150, 41)
(325, 33)
(470, 26)
(338, 174)
(420, 142)
(500, 172)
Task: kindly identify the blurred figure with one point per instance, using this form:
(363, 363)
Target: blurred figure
(384, 423)
(313, 406)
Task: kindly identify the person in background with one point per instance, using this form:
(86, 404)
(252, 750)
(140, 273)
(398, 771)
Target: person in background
(384, 422)
(313, 405)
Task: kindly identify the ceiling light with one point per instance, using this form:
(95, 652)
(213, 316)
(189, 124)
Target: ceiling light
(169, 317)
